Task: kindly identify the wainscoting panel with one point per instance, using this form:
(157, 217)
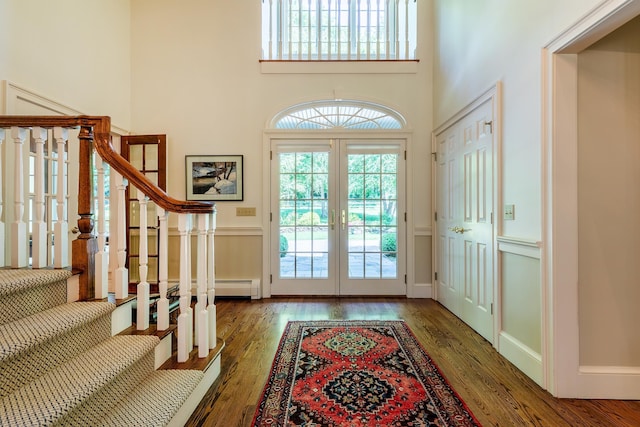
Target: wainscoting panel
(520, 324)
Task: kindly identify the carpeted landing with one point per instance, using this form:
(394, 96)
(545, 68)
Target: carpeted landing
(356, 374)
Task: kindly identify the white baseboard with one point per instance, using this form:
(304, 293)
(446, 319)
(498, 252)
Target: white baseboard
(609, 382)
(525, 359)
(421, 290)
(239, 288)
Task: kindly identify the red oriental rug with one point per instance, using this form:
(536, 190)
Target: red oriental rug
(356, 373)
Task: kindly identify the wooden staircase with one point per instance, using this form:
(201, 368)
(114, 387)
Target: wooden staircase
(70, 353)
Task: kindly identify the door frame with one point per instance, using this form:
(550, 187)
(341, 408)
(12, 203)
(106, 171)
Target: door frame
(493, 95)
(272, 134)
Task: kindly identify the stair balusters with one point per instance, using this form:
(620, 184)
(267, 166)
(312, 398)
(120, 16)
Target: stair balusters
(102, 256)
(18, 226)
(163, 269)
(142, 321)
(2, 228)
(61, 227)
(39, 234)
(121, 279)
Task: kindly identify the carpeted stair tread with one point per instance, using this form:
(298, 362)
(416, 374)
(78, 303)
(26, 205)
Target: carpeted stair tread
(60, 390)
(156, 400)
(25, 292)
(18, 280)
(26, 333)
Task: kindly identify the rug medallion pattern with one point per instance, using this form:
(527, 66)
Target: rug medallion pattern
(356, 373)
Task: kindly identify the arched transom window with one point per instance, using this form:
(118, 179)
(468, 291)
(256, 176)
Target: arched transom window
(341, 114)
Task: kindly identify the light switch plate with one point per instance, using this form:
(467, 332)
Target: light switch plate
(509, 212)
(245, 211)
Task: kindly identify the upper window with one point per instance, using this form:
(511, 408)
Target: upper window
(368, 30)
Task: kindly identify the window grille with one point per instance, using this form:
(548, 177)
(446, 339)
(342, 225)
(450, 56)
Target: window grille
(342, 114)
(316, 30)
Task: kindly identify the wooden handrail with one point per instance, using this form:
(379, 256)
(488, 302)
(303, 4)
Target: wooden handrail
(101, 126)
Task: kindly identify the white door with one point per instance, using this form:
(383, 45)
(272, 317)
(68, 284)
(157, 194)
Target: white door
(465, 219)
(338, 217)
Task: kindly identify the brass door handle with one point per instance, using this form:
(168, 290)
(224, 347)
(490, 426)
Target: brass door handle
(344, 219)
(333, 219)
(459, 230)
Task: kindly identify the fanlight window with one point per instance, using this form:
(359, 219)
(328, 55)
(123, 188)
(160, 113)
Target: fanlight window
(339, 114)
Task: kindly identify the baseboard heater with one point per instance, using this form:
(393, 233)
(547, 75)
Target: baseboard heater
(239, 288)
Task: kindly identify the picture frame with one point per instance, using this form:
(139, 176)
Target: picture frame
(214, 177)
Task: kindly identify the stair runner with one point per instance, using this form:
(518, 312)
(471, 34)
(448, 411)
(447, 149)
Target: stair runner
(59, 364)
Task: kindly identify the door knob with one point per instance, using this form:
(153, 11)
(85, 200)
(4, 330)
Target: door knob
(459, 230)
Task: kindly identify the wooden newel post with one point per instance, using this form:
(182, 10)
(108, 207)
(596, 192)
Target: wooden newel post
(85, 246)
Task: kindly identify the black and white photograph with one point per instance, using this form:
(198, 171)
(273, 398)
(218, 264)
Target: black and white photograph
(214, 177)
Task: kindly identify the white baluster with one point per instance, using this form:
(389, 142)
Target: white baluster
(121, 278)
(190, 287)
(202, 316)
(184, 331)
(211, 282)
(406, 29)
(102, 256)
(18, 227)
(163, 269)
(2, 233)
(61, 227)
(397, 27)
(39, 237)
(142, 321)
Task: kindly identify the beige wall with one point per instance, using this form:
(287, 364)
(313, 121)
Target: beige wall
(609, 200)
(197, 78)
(74, 52)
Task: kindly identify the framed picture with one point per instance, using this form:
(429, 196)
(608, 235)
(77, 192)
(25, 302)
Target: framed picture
(214, 177)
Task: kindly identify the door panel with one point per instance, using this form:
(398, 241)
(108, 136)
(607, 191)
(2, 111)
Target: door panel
(464, 225)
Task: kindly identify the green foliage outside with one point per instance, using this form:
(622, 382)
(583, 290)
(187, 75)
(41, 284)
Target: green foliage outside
(284, 246)
(389, 244)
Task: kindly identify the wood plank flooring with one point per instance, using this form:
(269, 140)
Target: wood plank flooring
(496, 392)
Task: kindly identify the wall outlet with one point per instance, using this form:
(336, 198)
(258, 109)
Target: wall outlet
(245, 211)
(509, 212)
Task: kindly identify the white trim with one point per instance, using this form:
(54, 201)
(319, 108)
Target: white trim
(519, 246)
(420, 290)
(339, 67)
(423, 231)
(15, 92)
(560, 332)
(524, 358)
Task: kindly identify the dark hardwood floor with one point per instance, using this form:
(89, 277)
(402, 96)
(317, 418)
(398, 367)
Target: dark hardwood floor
(496, 392)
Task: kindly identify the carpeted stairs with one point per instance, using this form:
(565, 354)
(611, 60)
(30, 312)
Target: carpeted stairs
(59, 364)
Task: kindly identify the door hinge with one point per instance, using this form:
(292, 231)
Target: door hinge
(270, 155)
(405, 217)
(436, 275)
(491, 305)
(270, 216)
(490, 124)
(405, 279)
(271, 278)
(435, 156)
(435, 216)
(405, 154)
(491, 217)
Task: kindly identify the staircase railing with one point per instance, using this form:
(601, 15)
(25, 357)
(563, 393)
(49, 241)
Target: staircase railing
(36, 231)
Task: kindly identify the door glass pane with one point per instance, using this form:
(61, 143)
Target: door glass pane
(372, 216)
(304, 216)
(151, 157)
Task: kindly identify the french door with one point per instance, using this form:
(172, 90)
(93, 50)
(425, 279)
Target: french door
(338, 217)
